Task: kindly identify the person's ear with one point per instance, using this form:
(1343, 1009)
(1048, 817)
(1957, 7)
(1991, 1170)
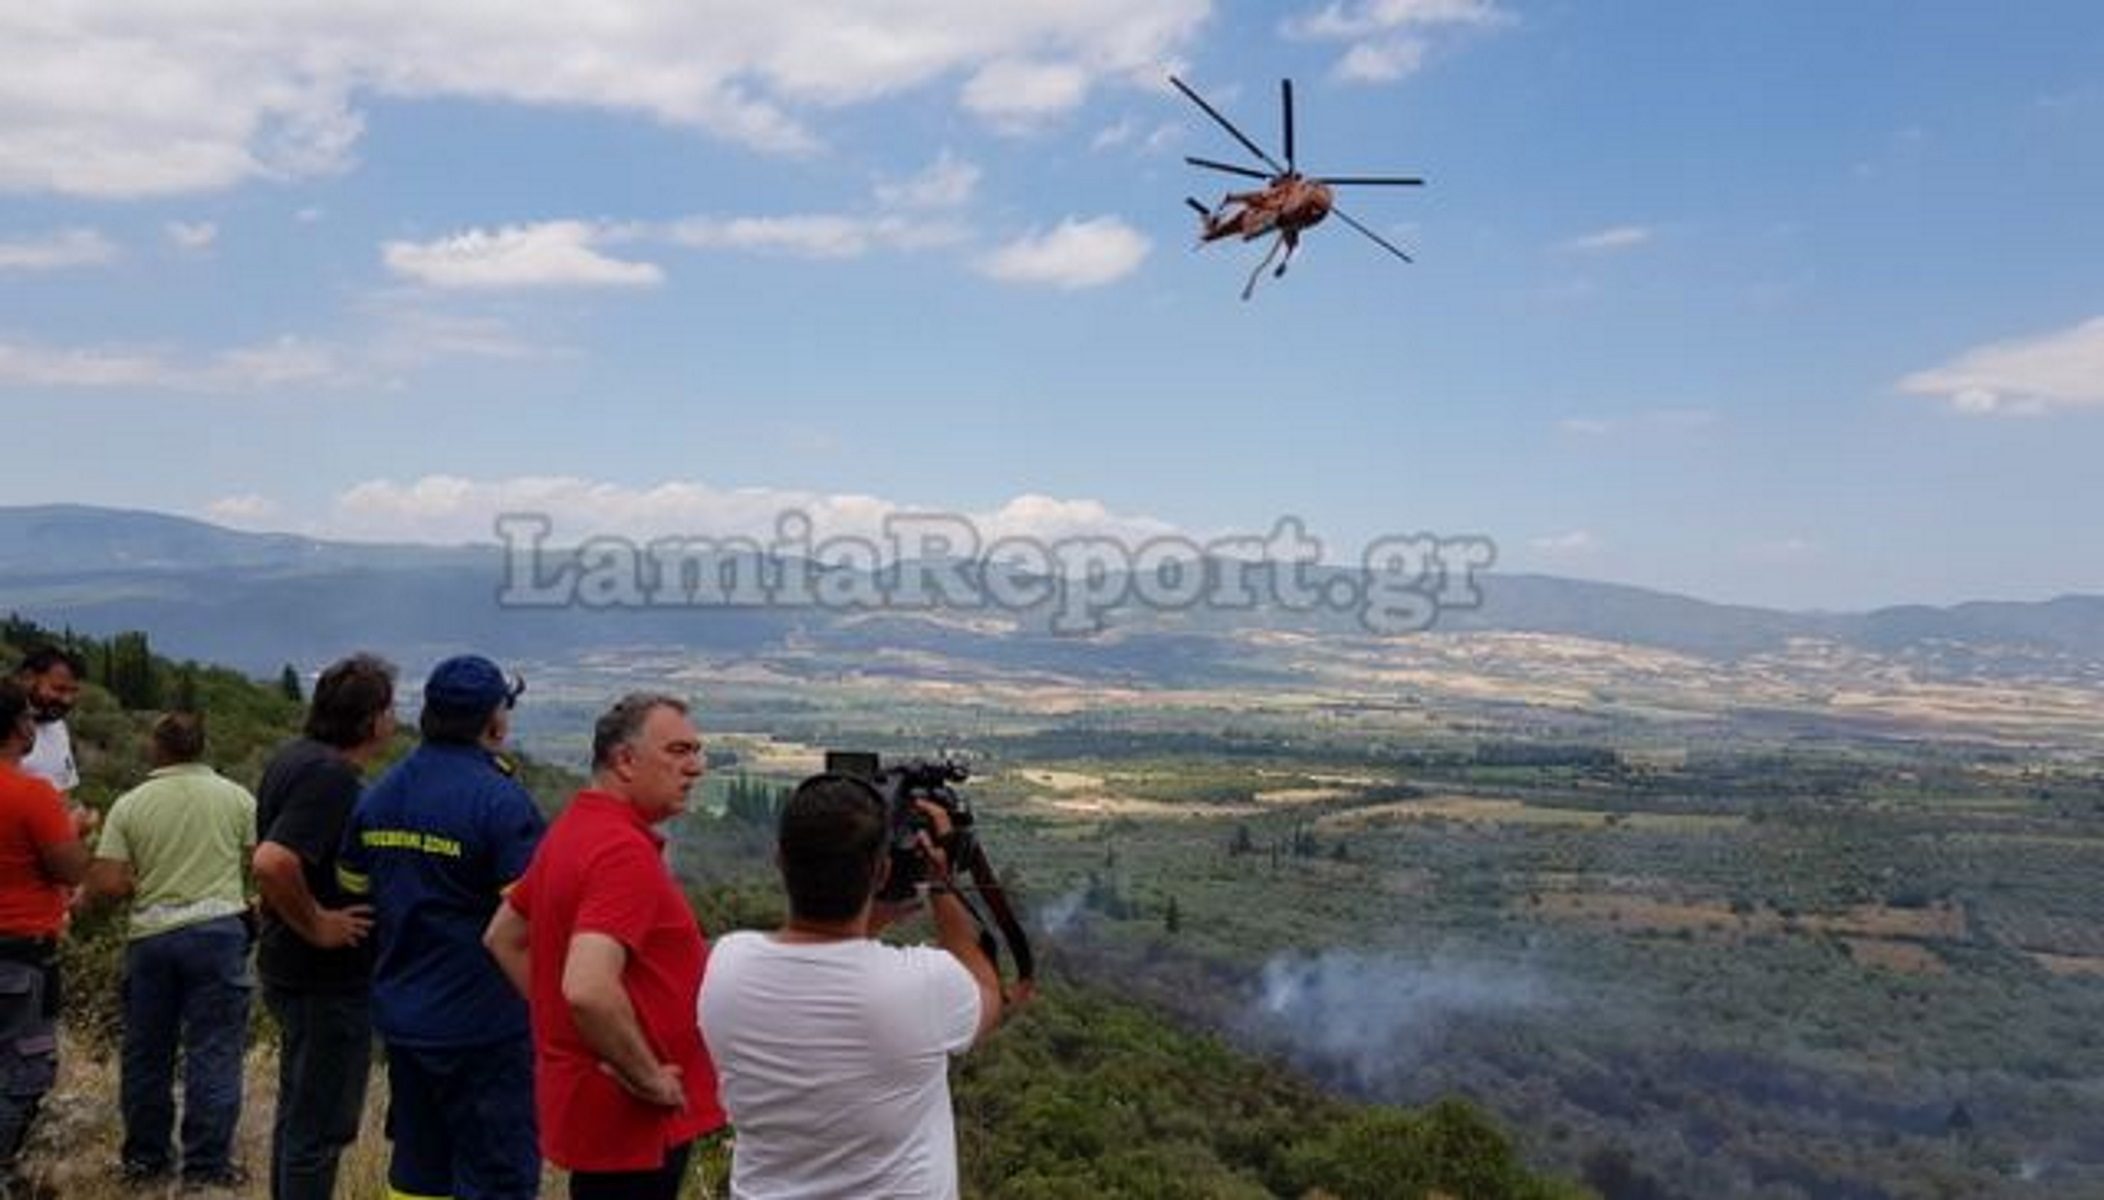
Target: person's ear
(883, 875)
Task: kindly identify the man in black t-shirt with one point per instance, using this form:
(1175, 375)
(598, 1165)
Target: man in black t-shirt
(313, 956)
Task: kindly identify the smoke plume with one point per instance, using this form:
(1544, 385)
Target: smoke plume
(1363, 1019)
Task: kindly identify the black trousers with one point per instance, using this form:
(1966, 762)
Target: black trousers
(28, 1038)
(661, 1184)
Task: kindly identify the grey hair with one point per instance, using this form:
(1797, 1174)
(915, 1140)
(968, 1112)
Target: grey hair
(623, 723)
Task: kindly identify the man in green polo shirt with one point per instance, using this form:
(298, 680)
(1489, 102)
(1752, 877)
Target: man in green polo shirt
(177, 845)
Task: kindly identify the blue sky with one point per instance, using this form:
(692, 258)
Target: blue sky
(1785, 303)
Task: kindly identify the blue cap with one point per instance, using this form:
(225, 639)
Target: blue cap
(472, 685)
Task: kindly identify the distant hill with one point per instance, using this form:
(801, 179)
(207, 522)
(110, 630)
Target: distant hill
(73, 540)
(261, 600)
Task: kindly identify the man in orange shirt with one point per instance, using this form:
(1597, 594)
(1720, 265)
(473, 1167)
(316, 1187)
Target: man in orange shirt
(41, 857)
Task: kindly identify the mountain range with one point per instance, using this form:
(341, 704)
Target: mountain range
(259, 600)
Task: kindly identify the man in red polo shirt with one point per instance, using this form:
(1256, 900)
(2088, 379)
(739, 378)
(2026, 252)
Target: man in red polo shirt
(600, 939)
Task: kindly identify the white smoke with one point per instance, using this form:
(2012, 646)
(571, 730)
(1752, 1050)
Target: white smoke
(1369, 1016)
(1056, 918)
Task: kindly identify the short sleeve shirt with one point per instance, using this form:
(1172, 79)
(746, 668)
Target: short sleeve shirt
(33, 818)
(186, 832)
(834, 1062)
(601, 869)
(50, 757)
(304, 802)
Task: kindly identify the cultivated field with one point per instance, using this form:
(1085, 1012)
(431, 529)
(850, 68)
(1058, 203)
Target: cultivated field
(1809, 924)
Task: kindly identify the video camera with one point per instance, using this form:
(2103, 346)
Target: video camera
(901, 786)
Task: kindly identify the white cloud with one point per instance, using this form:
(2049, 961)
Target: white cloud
(1619, 237)
(1163, 136)
(1049, 519)
(914, 217)
(1338, 21)
(1576, 543)
(282, 363)
(1383, 61)
(449, 508)
(37, 366)
(399, 332)
(192, 237)
(2031, 376)
(549, 254)
(1076, 254)
(1112, 136)
(571, 253)
(215, 93)
(1389, 39)
(59, 250)
(1128, 133)
(816, 235)
(249, 510)
(408, 336)
(948, 182)
(1015, 94)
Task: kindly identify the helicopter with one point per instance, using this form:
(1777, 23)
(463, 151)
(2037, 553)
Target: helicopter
(1288, 203)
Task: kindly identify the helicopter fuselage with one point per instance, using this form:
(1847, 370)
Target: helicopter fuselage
(1289, 204)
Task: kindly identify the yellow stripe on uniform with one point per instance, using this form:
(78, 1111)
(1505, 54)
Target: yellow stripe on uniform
(410, 839)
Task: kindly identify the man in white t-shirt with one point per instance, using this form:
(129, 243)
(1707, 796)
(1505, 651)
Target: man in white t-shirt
(832, 1049)
(52, 675)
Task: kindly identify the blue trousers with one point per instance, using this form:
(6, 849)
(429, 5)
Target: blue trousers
(462, 1121)
(323, 1060)
(187, 989)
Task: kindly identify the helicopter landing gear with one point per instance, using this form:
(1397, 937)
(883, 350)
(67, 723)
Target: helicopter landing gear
(1289, 241)
(1250, 288)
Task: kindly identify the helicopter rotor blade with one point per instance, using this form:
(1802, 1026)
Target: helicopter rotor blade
(1285, 97)
(1230, 168)
(1350, 180)
(1198, 208)
(1228, 125)
(1378, 240)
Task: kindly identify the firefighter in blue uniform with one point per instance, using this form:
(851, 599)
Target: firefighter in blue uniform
(433, 845)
